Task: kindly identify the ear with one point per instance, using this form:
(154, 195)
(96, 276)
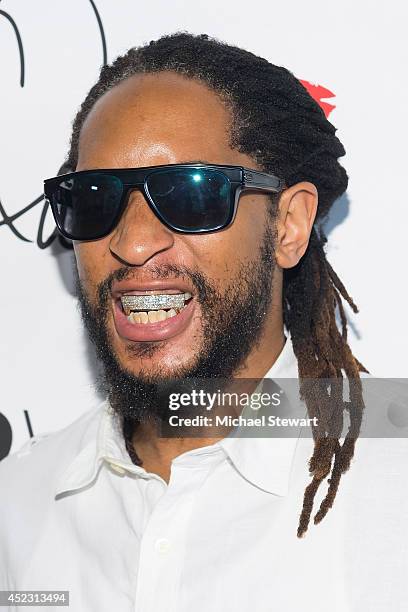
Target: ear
(296, 215)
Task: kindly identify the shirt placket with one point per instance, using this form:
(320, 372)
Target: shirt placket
(162, 551)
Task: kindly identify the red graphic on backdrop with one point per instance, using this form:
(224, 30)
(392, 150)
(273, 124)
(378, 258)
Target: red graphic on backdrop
(318, 92)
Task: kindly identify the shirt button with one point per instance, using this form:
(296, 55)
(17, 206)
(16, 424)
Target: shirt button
(118, 469)
(162, 546)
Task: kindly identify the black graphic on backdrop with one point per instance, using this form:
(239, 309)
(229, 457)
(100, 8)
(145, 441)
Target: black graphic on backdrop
(19, 43)
(6, 436)
(41, 243)
(8, 220)
(101, 32)
(6, 432)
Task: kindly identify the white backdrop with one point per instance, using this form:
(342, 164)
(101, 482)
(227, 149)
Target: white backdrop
(355, 49)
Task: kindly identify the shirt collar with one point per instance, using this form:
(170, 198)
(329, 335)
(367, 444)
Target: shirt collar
(107, 446)
(265, 462)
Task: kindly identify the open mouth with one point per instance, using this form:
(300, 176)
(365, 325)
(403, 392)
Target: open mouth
(153, 307)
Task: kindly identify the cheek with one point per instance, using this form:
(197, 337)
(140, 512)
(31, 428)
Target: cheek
(221, 254)
(90, 263)
(252, 214)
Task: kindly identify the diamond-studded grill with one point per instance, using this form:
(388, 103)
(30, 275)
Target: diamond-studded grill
(151, 302)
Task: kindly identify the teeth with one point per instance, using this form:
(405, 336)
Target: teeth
(144, 317)
(149, 303)
(161, 315)
(153, 316)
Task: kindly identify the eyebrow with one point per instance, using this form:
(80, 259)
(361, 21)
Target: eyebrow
(197, 161)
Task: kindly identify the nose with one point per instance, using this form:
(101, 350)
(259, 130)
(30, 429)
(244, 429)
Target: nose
(139, 235)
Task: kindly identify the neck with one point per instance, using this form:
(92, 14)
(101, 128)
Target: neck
(157, 453)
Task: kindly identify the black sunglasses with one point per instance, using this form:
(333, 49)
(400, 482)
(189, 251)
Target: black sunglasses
(187, 198)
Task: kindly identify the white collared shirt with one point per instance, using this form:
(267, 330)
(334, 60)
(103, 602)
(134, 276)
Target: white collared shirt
(76, 514)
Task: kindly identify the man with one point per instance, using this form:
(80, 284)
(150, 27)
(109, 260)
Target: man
(198, 255)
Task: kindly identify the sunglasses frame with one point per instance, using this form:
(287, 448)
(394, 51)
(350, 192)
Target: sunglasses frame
(240, 179)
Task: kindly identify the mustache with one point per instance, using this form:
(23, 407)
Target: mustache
(206, 291)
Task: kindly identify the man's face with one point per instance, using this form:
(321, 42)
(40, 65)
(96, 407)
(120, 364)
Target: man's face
(165, 119)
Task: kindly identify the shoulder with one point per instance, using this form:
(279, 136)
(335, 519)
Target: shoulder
(44, 457)
(380, 460)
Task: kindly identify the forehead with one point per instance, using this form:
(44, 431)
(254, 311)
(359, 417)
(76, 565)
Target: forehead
(152, 119)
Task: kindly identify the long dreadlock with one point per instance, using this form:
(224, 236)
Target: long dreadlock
(277, 123)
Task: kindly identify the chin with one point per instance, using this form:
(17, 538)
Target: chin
(157, 359)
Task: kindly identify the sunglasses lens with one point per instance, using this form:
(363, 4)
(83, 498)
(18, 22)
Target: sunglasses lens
(86, 205)
(191, 199)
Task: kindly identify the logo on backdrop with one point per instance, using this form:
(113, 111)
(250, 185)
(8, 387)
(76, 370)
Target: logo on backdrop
(19, 43)
(9, 220)
(6, 433)
(6, 436)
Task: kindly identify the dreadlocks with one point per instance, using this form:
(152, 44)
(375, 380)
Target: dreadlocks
(277, 123)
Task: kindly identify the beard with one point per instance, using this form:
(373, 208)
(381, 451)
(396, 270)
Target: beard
(232, 325)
